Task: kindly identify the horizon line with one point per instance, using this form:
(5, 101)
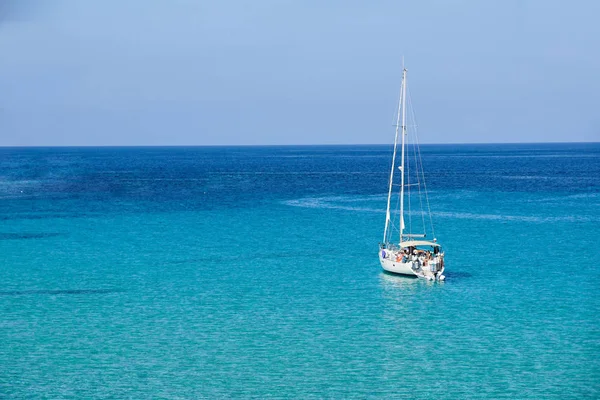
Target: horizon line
(280, 145)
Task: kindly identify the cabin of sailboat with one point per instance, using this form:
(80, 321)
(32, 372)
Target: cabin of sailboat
(403, 250)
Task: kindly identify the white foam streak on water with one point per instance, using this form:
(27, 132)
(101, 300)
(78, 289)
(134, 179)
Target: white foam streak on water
(519, 218)
(320, 203)
(341, 203)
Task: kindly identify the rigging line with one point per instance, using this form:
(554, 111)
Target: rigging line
(387, 211)
(390, 234)
(397, 211)
(393, 228)
(408, 181)
(422, 171)
(418, 161)
(402, 226)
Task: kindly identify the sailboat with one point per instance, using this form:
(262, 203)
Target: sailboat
(403, 251)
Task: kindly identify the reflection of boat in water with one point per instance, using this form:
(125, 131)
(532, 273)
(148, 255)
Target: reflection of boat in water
(412, 254)
(394, 281)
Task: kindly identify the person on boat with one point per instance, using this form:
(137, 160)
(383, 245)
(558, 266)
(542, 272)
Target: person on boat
(432, 262)
(415, 257)
(405, 255)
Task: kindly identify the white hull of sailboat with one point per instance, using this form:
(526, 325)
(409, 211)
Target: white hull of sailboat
(431, 269)
(397, 267)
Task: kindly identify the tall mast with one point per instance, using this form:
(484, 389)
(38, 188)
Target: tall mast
(387, 213)
(403, 140)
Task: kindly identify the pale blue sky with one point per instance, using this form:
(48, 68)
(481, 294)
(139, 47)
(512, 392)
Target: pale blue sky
(185, 72)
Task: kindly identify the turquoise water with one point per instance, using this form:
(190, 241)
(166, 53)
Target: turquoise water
(253, 272)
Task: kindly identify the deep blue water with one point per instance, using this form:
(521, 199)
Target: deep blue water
(219, 272)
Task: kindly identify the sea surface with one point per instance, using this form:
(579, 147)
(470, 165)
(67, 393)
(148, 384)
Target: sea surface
(252, 272)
